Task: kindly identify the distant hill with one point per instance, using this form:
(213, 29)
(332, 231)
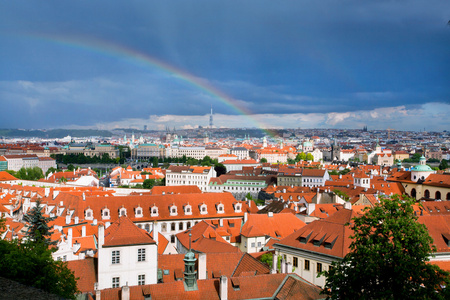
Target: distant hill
(53, 133)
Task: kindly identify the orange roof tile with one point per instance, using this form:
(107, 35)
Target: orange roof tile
(123, 232)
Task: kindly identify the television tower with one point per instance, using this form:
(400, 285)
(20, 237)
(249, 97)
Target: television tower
(211, 118)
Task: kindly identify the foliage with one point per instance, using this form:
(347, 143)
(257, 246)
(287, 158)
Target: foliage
(80, 158)
(220, 169)
(155, 162)
(309, 157)
(333, 172)
(63, 180)
(39, 231)
(267, 259)
(34, 173)
(291, 161)
(344, 172)
(414, 159)
(388, 258)
(341, 194)
(31, 263)
(146, 173)
(443, 165)
(300, 156)
(263, 160)
(70, 167)
(50, 170)
(148, 183)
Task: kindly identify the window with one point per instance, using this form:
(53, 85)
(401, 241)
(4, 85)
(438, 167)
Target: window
(180, 226)
(141, 254)
(141, 279)
(172, 226)
(319, 267)
(259, 244)
(172, 239)
(295, 262)
(253, 245)
(306, 265)
(115, 257)
(115, 282)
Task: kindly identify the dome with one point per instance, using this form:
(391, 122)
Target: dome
(421, 168)
(307, 144)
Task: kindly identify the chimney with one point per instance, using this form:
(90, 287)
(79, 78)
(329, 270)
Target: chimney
(97, 291)
(245, 217)
(84, 197)
(310, 208)
(155, 232)
(69, 237)
(125, 293)
(67, 219)
(47, 192)
(270, 214)
(76, 220)
(348, 205)
(83, 231)
(202, 266)
(220, 222)
(94, 222)
(101, 235)
(223, 288)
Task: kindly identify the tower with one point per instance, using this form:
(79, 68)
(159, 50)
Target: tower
(190, 275)
(211, 118)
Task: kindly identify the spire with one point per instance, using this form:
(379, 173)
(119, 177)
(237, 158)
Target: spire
(190, 275)
(211, 118)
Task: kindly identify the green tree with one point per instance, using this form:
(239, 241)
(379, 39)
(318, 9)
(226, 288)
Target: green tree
(263, 160)
(50, 170)
(38, 230)
(443, 165)
(291, 161)
(155, 162)
(300, 156)
(220, 169)
(388, 258)
(148, 183)
(70, 167)
(309, 157)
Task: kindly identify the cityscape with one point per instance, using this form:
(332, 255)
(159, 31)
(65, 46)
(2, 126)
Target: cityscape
(238, 150)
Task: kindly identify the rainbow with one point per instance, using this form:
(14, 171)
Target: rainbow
(141, 59)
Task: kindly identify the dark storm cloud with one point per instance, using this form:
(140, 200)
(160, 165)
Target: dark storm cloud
(272, 57)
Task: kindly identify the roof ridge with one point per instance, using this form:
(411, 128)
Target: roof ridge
(237, 265)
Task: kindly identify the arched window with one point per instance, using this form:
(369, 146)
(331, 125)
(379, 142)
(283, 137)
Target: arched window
(413, 193)
(437, 196)
(188, 225)
(180, 226)
(427, 194)
(172, 226)
(163, 227)
(147, 227)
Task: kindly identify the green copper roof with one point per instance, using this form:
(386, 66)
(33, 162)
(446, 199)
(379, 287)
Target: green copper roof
(421, 168)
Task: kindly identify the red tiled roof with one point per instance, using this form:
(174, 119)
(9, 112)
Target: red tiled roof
(5, 176)
(277, 226)
(84, 270)
(123, 232)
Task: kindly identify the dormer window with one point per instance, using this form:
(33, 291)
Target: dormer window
(138, 212)
(106, 214)
(203, 209)
(154, 211)
(188, 210)
(89, 214)
(238, 207)
(220, 208)
(122, 212)
(173, 210)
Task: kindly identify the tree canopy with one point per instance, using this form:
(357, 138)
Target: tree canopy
(388, 258)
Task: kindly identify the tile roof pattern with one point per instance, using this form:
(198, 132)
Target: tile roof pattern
(277, 226)
(124, 232)
(85, 271)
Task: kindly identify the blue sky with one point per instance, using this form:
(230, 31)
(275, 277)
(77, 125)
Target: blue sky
(308, 64)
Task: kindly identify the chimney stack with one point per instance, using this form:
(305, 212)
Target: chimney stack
(101, 235)
(223, 288)
(83, 231)
(125, 292)
(201, 266)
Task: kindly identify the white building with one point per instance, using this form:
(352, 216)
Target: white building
(190, 175)
(127, 255)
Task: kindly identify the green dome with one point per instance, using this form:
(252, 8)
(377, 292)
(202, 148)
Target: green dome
(189, 256)
(307, 144)
(421, 168)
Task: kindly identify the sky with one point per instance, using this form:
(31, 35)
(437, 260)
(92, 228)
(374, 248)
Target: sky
(268, 64)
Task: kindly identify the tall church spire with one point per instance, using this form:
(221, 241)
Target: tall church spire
(211, 118)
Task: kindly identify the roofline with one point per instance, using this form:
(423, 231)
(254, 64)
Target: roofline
(307, 251)
(125, 245)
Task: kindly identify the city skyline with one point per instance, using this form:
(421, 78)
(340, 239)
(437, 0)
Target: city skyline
(259, 64)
